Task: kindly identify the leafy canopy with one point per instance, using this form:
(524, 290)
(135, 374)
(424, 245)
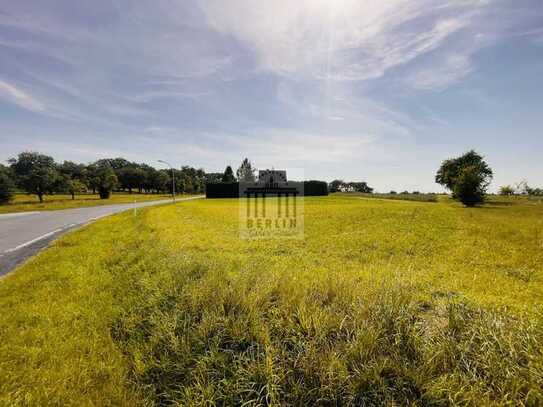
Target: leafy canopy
(35, 173)
(467, 176)
(450, 169)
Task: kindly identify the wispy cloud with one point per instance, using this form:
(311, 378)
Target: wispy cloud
(451, 69)
(20, 98)
(343, 40)
(314, 81)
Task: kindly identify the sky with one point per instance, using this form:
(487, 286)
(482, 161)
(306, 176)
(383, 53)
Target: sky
(376, 91)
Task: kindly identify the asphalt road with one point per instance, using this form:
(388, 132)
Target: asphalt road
(24, 234)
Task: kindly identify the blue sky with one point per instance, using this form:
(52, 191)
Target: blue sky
(380, 91)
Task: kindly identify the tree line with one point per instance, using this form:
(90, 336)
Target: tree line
(39, 174)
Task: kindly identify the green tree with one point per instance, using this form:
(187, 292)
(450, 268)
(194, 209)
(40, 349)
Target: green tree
(70, 186)
(106, 180)
(74, 171)
(450, 170)
(470, 186)
(336, 185)
(361, 187)
(228, 175)
(7, 186)
(246, 172)
(507, 190)
(213, 177)
(35, 173)
(131, 177)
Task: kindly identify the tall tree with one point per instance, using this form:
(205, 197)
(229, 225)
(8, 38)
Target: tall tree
(246, 172)
(105, 179)
(228, 175)
(131, 177)
(451, 169)
(7, 185)
(467, 176)
(35, 173)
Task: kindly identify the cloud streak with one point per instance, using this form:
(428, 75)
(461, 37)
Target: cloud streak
(20, 98)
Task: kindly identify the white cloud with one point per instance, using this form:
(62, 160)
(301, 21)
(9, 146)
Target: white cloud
(20, 98)
(451, 69)
(344, 39)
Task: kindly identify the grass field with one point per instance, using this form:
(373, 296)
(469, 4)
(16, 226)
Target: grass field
(399, 197)
(24, 203)
(383, 302)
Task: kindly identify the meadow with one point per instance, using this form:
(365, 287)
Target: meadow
(399, 197)
(27, 203)
(383, 302)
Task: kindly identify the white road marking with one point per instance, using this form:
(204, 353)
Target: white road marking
(16, 214)
(69, 225)
(34, 240)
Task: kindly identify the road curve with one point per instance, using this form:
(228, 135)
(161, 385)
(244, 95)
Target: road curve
(24, 234)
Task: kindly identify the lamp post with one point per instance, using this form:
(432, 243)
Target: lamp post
(173, 177)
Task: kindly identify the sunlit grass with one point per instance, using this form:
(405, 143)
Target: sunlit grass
(24, 203)
(383, 302)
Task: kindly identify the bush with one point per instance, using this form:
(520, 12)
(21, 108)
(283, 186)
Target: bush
(7, 186)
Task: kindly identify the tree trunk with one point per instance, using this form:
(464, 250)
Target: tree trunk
(73, 196)
(40, 196)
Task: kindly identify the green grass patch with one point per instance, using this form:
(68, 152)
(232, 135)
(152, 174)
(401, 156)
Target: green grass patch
(398, 197)
(383, 302)
(27, 203)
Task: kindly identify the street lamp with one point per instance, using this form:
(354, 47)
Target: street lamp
(173, 177)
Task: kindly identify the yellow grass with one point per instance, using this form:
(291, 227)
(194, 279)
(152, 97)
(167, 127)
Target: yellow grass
(383, 302)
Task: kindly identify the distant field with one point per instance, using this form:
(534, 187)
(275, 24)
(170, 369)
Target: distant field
(399, 197)
(383, 302)
(23, 202)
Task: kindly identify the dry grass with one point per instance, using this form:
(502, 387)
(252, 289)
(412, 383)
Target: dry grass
(383, 302)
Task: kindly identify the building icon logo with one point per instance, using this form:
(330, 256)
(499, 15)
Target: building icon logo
(272, 207)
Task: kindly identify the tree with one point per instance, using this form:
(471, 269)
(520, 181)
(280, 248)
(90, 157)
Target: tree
(360, 187)
(35, 173)
(507, 190)
(246, 172)
(336, 185)
(470, 186)
(450, 170)
(228, 175)
(7, 185)
(74, 171)
(213, 177)
(71, 186)
(131, 177)
(106, 180)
